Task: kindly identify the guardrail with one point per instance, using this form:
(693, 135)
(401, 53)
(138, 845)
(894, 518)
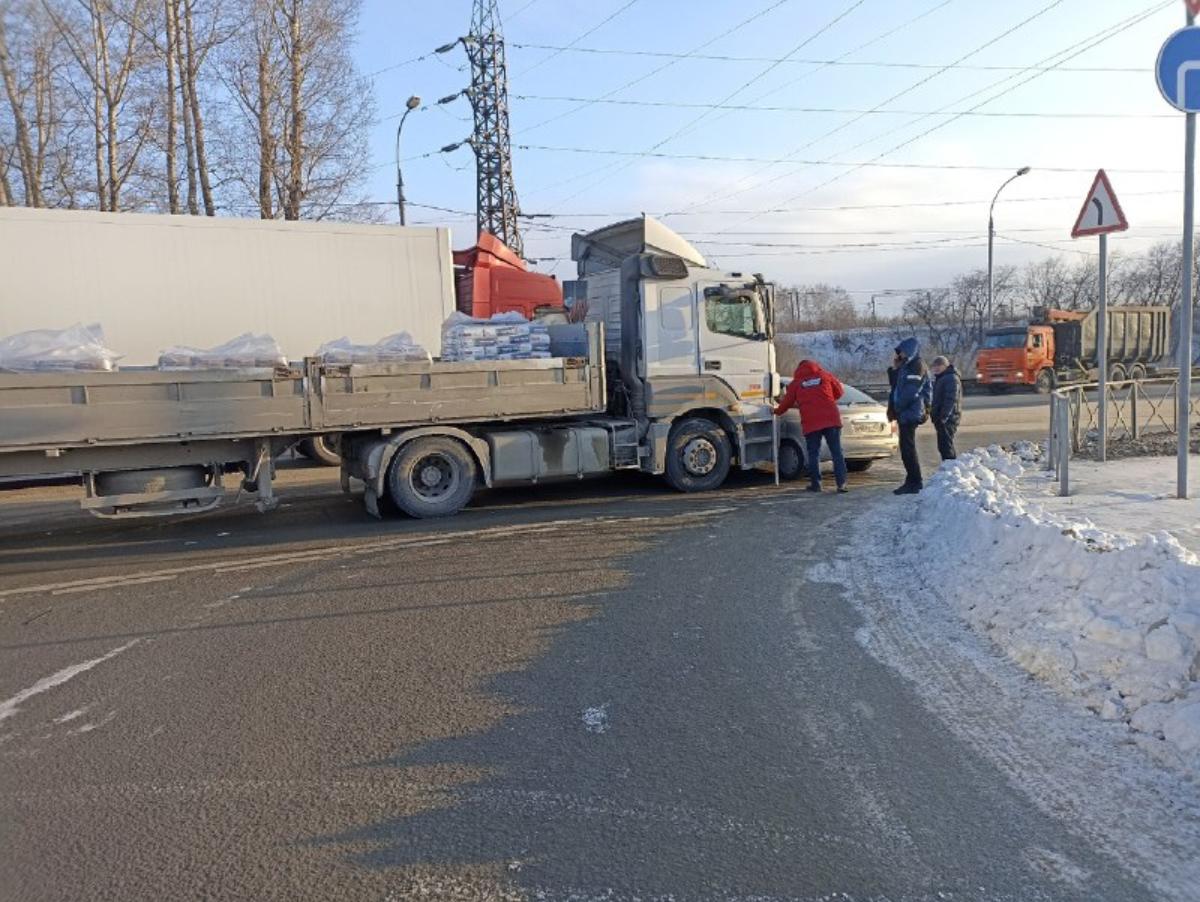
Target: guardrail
(1136, 409)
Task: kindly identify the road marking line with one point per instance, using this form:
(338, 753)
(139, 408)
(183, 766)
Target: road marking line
(11, 706)
(323, 553)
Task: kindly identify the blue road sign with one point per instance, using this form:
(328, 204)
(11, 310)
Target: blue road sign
(1178, 70)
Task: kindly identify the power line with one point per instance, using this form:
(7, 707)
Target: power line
(603, 151)
(892, 99)
(762, 74)
(681, 104)
(866, 64)
(641, 78)
(586, 34)
(1074, 51)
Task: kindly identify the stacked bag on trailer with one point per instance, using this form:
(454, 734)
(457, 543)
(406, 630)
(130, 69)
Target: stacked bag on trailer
(78, 348)
(398, 348)
(506, 336)
(247, 351)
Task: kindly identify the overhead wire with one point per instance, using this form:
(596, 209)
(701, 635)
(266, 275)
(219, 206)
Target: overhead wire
(1071, 52)
(581, 37)
(641, 78)
(890, 100)
(760, 75)
(837, 61)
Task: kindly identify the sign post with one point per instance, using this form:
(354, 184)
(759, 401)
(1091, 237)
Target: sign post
(1101, 214)
(1178, 72)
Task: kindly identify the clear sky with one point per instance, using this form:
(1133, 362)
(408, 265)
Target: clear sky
(751, 205)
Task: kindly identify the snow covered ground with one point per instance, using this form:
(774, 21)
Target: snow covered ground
(1091, 593)
(860, 355)
(1063, 651)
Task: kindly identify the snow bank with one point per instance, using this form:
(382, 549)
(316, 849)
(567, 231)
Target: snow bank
(1111, 619)
(863, 355)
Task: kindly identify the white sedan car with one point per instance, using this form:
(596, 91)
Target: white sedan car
(867, 436)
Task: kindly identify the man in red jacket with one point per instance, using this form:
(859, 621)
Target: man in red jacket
(814, 393)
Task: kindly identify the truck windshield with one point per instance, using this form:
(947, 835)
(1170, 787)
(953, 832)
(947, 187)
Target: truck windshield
(1004, 340)
(735, 310)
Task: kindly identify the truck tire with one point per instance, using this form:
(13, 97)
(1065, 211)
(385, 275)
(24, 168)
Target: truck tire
(698, 456)
(1045, 382)
(1137, 372)
(1117, 373)
(432, 476)
(321, 449)
(791, 461)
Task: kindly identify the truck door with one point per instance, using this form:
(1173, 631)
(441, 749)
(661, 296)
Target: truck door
(734, 345)
(670, 321)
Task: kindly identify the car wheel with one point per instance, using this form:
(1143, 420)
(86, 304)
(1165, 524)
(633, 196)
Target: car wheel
(698, 456)
(791, 461)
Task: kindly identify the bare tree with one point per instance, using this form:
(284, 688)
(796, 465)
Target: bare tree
(303, 108)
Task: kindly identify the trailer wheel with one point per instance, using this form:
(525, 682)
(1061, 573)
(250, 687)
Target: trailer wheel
(698, 456)
(1137, 372)
(432, 476)
(791, 461)
(322, 449)
(1045, 382)
(1117, 373)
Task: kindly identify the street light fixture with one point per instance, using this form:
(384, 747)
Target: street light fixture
(1024, 170)
(413, 103)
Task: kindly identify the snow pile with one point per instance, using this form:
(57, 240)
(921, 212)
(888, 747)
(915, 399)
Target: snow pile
(1113, 620)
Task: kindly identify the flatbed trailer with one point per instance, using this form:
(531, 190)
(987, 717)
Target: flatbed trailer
(149, 441)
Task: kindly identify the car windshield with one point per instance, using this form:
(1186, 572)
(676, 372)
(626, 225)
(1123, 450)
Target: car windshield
(1005, 340)
(854, 396)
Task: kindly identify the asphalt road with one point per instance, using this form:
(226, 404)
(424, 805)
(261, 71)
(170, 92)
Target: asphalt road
(601, 691)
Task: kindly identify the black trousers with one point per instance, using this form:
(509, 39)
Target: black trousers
(908, 454)
(945, 439)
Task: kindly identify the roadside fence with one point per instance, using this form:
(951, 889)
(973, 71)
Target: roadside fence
(1136, 410)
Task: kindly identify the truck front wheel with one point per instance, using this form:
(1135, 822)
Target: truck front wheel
(433, 476)
(698, 457)
(1045, 382)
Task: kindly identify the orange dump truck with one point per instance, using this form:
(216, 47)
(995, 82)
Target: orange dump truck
(1059, 347)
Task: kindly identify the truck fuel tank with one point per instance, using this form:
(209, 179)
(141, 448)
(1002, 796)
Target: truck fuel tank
(521, 456)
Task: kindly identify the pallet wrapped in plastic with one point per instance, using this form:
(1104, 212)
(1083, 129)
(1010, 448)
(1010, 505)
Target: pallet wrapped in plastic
(506, 336)
(398, 348)
(78, 348)
(247, 351)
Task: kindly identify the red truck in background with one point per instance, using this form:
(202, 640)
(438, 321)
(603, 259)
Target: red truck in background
(491, 278)
(1059, 347)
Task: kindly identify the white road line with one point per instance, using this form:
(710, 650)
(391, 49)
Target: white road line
(326, 552)
(11, 706)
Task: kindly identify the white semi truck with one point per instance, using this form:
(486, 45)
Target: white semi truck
(672, 374)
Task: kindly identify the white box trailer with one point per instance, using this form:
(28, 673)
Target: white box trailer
(153, 281)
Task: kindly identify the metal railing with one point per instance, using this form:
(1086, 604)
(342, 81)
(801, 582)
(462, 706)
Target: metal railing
(1136, 409)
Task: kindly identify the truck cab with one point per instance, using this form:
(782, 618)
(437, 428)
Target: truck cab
(689, 346)
(1017, 355)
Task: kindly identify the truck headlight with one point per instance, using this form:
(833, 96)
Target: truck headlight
(1019, 374)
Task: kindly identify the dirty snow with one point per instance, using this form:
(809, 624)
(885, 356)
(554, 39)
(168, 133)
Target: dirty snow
(1111, 619)
(595, 720)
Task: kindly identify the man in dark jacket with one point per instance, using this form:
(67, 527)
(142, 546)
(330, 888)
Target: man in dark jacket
(814, 392)
(910, 400)
(946, 410)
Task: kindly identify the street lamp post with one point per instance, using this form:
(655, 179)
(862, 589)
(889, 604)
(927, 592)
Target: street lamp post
(412, 104)
(1024, 170)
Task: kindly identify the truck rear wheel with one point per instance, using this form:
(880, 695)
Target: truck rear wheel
(433, 476)
(322, 449)
(698, 456)
(1045, 382)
